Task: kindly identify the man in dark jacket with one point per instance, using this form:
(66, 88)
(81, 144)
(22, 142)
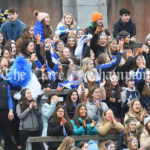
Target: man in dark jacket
(125, 23)
(12, 29)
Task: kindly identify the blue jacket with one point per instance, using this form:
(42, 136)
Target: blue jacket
(12, 30)
(112, 64)
(38, 28)
(81, 131)
(46, 112)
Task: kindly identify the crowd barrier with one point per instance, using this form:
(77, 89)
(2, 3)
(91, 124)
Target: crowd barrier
(60, 138)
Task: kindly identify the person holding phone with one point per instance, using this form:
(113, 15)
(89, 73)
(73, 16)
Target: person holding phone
(59, 124)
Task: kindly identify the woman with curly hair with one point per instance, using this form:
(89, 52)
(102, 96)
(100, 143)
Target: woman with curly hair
(28, 33)
(66, 141)
(59, 124)
(66, 27)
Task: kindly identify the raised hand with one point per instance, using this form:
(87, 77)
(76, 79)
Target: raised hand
(38, 38)
(121, 43)
(62, 121)
(84, 124)
(93, 124)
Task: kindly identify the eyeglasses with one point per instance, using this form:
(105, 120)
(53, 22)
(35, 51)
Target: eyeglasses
(60, 111)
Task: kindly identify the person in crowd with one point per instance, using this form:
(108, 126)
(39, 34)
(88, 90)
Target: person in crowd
(139, 68)
(112, 48)
(125, 23)
(97, 21)
(83, 145)
(128, 94)
(71, 103)
(143, 88)
(110, 145)
(133, 143)
(99, 43)
(72, 43)
(82, 124)
(59, 124)
(6, 110)
(27, 49)
(6, 54)
(91, 80)
(12, 29)
(47, 110)
(42, 26)
(108, 125)
(66, 27)
(145, 136)
(3, 64)
(130, 130)
(28, 33)
(28, 113)
(95, 106)
(1, 42)
(113, 98)
(105, 65)
(11, 46)
(65, 53)
(66, 141)
(59, 46)
(136, 112)
(80, 33)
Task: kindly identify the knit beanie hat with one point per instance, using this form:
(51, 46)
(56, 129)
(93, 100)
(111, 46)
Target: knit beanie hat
(92, 145)
(97, 16)
(146, 120)
(147, 38)
(40, 15)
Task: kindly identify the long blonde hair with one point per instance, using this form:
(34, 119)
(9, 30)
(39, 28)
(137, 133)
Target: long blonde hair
(73, 22)
(85, 62)
(66, 141)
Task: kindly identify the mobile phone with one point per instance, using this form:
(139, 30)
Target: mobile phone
(60, 99)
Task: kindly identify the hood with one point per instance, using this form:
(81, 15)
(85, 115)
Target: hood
(125, 24)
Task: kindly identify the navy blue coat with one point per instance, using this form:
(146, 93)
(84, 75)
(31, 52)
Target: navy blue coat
(120, 26)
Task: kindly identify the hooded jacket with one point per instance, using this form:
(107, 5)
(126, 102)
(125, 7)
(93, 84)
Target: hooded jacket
(120, 26)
